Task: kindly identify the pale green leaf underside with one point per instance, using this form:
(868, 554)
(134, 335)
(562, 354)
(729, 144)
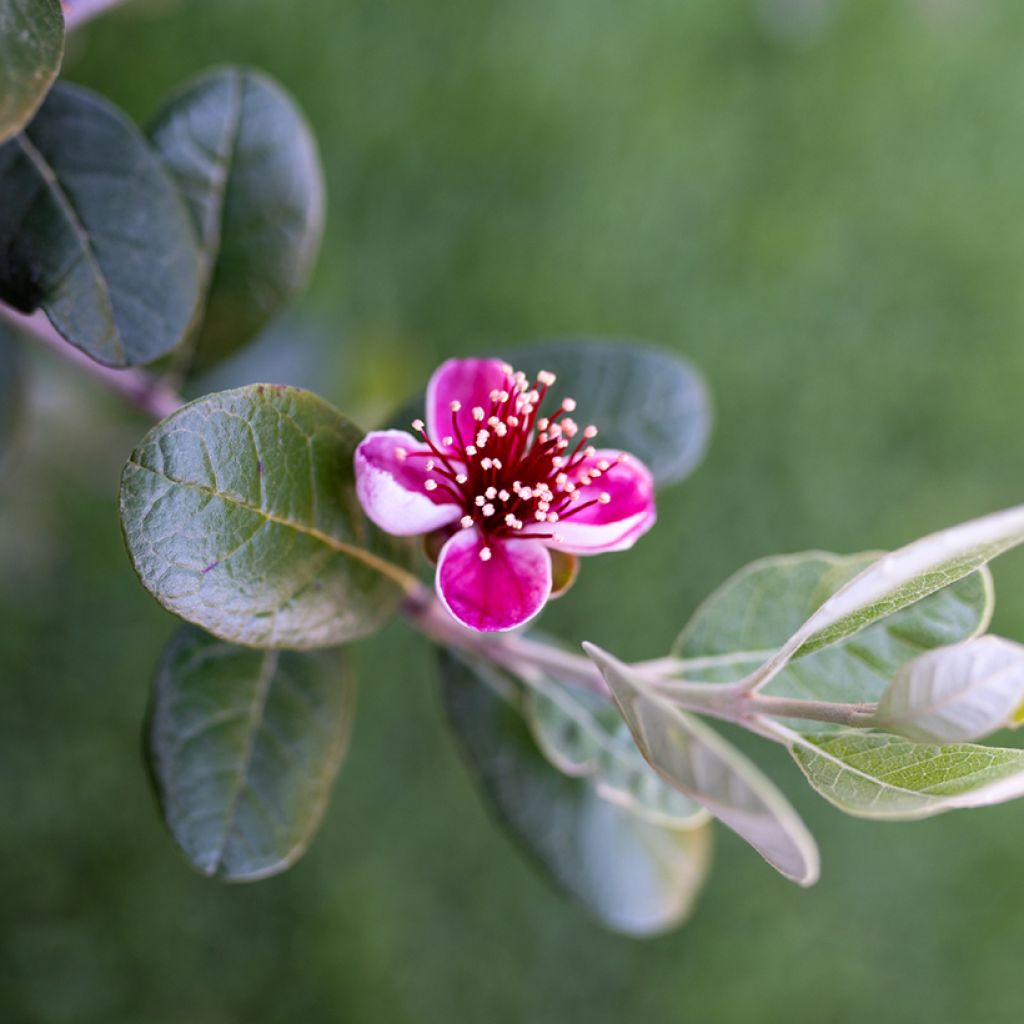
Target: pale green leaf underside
(756, 610)
(247, 164)
(876, 775)
(955, 694)
(31, 49)
(240, 515)
(899, 580)
(693, 757)
(633, 875)
(244, 747)
(583, 735)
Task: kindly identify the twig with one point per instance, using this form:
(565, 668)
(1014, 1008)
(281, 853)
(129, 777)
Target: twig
(147, 393)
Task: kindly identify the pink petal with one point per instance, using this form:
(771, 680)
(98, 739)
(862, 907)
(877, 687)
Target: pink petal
(616, 525)
(391, 489)
(467, 381)
(499, 594)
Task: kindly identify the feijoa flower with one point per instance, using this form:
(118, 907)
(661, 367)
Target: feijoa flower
(507, 481)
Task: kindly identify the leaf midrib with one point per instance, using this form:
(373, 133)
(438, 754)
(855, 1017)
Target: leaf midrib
(381, 565)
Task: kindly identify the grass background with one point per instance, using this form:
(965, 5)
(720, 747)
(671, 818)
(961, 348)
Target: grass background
(818, 201)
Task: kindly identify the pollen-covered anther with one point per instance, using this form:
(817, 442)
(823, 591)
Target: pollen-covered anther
(478, 413)
(491, 493)
(546, 377)
(552, 517)
(540, 515)
(448, 440)
(455, 406)
(470, 450)
(569, 404)
(431, 465)
(466, 522)
(417, 425)
(590, 430)
(401, 454)
(430, 485)
(543, 424)
(481, 438)
(485, 554)
(604, 497)
(500, 429)
(604, 465)
(504, 495)
(461, 478)
(507, 369)
(485, 463)
(479, 501)
(488, 509)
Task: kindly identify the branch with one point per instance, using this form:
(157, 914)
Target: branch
(76, 12)
(147, 393)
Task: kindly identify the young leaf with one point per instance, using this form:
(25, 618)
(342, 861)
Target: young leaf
(31, 49)
(753, 613)
(583, 735)
(957, 693)
(95, 232)
(240, 515)
(10, 389)
(705, 767)
(875, 775)
(244, 747)
(900, 579)
(643, 399)
(247, 165)
(634, 876)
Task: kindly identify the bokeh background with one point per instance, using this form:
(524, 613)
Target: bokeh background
(819, 202)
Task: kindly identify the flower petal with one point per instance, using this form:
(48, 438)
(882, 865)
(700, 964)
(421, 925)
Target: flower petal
(498, 594)
(467, 381)
(391, 489)
(616, 525)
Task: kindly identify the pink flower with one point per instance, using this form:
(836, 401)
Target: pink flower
(506, 483)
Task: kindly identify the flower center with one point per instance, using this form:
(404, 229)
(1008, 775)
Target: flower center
(520, 474)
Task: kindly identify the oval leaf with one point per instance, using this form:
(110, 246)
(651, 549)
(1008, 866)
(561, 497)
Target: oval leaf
(957, 693)
(244, 747)
(898, 580)
(634, 876)
(752, 614)
(31, 49)
(247, 165)
(582, 734)
(95, 232)
(643, 399)
(240, 515)
(875, 775)
(711, 771)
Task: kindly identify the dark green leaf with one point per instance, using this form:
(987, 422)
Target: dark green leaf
(631, 874)
(93, 230)
(240, 515)
(643, 399)
(244, 747)
(11, 383)
(247, 165)
(31, 48)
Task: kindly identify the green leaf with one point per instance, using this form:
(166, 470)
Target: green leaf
(634, 876)
(247, 164)
(747, 619)
(94, 231)
(244, 747)
(240, 515)
(701, 764)
(643, 399)
(11, 384)
(900, 579)
(956, 693)
(583, 735)
(875, 775)
(31, 49)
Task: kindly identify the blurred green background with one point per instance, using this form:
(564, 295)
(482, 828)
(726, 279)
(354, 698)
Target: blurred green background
(818, 202)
